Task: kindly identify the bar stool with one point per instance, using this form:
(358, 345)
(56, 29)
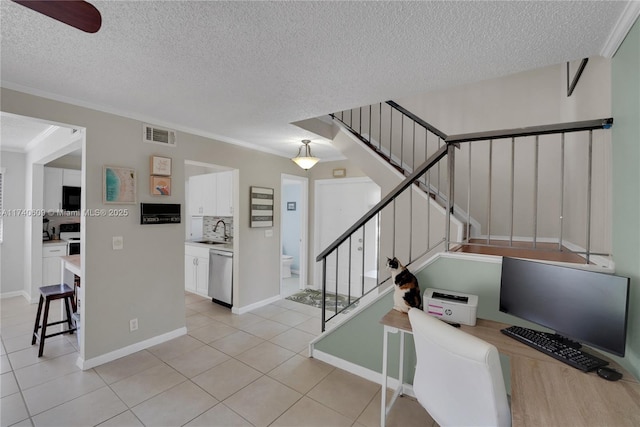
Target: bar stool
(48, 294)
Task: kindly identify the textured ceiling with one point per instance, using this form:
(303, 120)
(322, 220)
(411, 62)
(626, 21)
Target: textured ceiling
(19, 133)
(243, 71)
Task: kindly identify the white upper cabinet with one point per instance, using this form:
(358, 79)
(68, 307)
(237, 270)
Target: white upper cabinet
(202, 189)
(52, 189)
(211, 194)
(224, 197)
(54, 180)
(71, 178)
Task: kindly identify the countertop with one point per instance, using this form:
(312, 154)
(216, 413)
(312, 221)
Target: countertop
(228, 247)
(53, 242)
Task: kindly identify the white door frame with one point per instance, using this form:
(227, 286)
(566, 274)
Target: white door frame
(304, 227)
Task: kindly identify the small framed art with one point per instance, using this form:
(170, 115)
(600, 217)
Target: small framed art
(160, 166)
(160, 186)
(261, 207)
(118, 185)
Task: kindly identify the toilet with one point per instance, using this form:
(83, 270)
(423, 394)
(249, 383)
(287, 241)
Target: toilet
(287, 260)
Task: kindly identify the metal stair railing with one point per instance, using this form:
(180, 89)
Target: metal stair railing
(393, 215)
(406, 215)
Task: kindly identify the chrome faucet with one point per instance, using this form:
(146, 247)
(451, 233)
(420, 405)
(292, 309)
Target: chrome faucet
(224, 228)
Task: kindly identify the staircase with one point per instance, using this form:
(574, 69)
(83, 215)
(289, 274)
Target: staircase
(443, 179)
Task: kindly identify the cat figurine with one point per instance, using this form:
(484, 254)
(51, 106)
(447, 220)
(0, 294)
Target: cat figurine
(406, 291)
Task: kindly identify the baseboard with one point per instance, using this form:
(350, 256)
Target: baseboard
(130, 349)
(247, 308)
(16, 294)
(358, 370)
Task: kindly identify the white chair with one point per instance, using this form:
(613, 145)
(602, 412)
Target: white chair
(458, 378)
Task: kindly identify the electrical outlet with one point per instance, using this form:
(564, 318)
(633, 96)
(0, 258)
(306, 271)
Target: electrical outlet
(118, 243)
(268, 233)
(133, 325)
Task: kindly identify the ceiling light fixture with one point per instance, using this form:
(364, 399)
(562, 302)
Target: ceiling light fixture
(307, 161)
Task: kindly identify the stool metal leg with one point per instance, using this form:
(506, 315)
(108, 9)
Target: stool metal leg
(43, 334)
(37, 325)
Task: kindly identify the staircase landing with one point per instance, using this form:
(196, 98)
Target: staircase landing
(543, 251)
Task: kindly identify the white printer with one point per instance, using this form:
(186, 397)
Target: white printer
(450, 306)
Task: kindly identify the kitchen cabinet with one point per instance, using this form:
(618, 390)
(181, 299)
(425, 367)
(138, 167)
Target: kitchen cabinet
(202, 189)
(51, 253)
(211, 194)
(196, 269)
(54, 179)
(71, 177)
(52, 189)
(224, 194)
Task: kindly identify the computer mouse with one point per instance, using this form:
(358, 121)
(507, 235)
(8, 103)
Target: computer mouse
(609, 374)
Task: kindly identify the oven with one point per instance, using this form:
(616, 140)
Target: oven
(73, 247)
(70, 233)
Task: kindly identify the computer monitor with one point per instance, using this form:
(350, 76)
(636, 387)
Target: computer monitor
(585, 306)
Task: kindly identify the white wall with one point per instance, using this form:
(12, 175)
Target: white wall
(12, 258)
(530, 98)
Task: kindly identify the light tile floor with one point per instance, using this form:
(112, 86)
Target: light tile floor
(229, 370)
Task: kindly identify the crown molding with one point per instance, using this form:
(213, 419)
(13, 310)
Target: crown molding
(621, 29)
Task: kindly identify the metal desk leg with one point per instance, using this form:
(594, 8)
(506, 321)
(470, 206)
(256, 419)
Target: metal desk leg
(383, 401)
(384, 410)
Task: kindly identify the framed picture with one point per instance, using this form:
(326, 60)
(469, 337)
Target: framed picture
(118, 185)
(339, 173)
(291, 206)
(261, 207)
(160, 166)
(160, 186)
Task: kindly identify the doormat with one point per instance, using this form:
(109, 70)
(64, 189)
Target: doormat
(313, 298)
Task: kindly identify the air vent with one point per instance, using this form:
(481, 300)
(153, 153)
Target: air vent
(158, 135)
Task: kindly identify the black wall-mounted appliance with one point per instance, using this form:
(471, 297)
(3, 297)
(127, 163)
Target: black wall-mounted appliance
(159, 213)
(71, 198)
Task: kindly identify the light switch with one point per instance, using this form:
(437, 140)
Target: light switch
(118, 243)
(268, 233)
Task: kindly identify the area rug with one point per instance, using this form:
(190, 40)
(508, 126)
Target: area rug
(313, 298)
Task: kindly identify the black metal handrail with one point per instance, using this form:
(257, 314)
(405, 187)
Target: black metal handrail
(417, 119)
(359, 121)
(532, 131)
(434, 159)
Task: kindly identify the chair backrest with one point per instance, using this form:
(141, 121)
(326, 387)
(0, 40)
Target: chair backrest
(458, 378)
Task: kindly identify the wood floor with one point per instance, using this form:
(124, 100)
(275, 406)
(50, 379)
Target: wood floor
(543, 251)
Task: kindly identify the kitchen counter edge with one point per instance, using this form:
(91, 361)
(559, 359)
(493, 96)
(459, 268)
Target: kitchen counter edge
(227, 247)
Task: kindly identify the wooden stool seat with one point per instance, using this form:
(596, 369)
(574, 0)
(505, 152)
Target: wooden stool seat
(48, 294)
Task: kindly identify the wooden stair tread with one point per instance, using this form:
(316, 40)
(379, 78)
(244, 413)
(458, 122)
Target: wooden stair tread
(543, 251)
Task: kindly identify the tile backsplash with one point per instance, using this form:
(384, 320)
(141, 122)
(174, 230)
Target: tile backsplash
(62, 218)
(209, 223)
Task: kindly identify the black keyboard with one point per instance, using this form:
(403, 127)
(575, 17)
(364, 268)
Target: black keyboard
(556, 348)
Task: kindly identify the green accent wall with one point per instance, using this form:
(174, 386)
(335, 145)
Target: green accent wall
(359, 340)
(626, 180)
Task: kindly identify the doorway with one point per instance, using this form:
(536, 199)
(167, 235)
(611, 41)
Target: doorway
(339, 203)
(293, 234)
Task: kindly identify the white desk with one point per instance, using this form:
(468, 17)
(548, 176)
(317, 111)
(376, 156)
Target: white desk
(392, 327)
(71, 268)
(544, 391)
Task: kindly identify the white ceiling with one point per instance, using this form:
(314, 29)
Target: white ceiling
(242, 72)
(19, 133)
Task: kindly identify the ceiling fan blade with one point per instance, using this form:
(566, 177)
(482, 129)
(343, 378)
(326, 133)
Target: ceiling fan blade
(77, 13)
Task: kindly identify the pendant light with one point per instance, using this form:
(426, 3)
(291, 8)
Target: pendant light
(307, 161)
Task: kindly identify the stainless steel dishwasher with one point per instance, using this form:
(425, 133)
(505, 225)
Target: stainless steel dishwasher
(221, 277)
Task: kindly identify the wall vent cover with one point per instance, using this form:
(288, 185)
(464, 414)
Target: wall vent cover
(158, 135)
